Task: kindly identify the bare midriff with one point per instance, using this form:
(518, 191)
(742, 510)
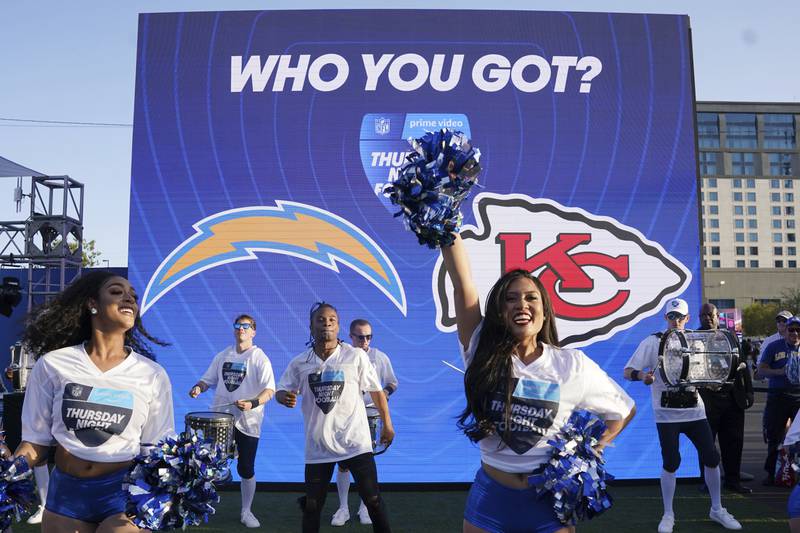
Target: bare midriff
(77, 467)
(507, 479)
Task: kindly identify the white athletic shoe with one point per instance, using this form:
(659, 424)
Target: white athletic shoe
(249, 520)
(363, 516)
(666, 524)
(36, 518)
(725, 518)
(340, 517)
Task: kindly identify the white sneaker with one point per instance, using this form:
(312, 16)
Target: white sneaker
(340, 517)
(725, 518)
(249, 520)
(666, 524)
(36, 518)
(363, 516)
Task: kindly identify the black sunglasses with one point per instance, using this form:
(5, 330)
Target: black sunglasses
(793, 330)
(363, 337)
(242, 325)
(674, 315)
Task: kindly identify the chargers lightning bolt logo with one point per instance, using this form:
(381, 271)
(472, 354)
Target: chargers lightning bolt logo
(290, 228)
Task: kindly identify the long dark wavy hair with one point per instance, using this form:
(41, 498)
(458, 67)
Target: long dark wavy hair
(66, 321)
(491, 367)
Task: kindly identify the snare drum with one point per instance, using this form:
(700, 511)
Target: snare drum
(701, 358)
(214, 426)
(21, 364)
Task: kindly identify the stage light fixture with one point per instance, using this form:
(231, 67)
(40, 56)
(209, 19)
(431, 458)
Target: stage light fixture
(10, 295)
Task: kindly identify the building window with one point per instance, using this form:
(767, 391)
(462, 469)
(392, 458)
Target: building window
(778, 263)
(738, 210)
(714, 223)
(751, 210)
(788, 210)
(792, 264)
(790, 224)
(774, 184)
(715, 250)
(777, 237)
(752, 223)
(712, 183)
(713, 196)
(738, 237)
(742, 164)
(776, 210)
(715, 263)
(708, 165)
(752, 237)
(740, 263)
(751, 183)
(776, 224)
(777, 251)
(775, 196)
(713, 236)
(788, 197)
(708, 130)
(736, 183)
(740, 250)
(738, 223)
(737, 197)
(779, 131)
(754, 250)
(780, 164)
(741, 130)
(751, 197)
(714, 210)
(790, 237)
(754, 263)
(788, 184)
(791, 250)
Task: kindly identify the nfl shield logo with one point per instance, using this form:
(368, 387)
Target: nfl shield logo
(76, 390)
(382, 125)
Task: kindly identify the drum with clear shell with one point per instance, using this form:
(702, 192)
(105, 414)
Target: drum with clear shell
(375, 429)
(21, 365)
(214, 426)
(698, 358)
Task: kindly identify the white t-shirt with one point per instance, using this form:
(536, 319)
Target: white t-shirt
(383, 368)
(546, 392)
(333, 409)
(97, 416)
(646, 356)
(240, 376)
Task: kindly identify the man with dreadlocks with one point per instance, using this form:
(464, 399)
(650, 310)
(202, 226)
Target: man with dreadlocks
(330, 376)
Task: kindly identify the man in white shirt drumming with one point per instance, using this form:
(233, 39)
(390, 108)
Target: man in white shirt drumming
(361, 337)
(331, 377)
(244, 382)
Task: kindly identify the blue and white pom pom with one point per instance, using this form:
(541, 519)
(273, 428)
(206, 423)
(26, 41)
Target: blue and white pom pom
(575, 475)
(430, 188)
(172, 486)
(17, 494)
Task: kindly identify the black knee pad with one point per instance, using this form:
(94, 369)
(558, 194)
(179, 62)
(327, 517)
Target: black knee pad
(245, 472)
(308, 505)
(713, 460)
(671, 467)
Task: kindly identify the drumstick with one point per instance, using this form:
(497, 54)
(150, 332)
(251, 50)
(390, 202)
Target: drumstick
(452, 366)
(224, 405)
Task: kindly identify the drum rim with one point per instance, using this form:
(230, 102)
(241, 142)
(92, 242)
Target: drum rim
(684, 357)
(193, 416)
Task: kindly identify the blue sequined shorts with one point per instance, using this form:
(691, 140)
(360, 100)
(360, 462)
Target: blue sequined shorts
(87, 499)
(794, 503)
(500, 509)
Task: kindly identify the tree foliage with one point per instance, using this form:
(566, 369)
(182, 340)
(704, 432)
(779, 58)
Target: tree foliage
(758, 320)
(790, 300)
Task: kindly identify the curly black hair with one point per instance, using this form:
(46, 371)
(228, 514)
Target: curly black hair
(66, 321)
(490, 370)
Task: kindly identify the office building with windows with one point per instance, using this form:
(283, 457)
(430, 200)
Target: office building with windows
(749, 197)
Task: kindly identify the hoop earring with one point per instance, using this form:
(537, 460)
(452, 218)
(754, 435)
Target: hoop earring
(93, 310)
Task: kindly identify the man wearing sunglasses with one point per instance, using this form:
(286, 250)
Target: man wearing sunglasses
(780, 325)
(783, 397)
(678, 411)
(361, 337)
(725, 411)
(244, 382)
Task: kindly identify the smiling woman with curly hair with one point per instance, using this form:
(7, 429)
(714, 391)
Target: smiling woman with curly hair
(96, 394)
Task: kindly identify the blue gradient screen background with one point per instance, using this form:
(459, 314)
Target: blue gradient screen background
(625, 150)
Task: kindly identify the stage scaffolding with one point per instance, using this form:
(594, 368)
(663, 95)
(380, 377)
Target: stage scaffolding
(50, 241)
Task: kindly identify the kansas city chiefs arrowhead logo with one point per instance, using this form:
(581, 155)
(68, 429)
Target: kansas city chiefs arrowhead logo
(601, 275)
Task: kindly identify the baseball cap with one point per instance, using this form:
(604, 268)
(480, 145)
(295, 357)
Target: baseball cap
(676, 305)
(794, 321)
(784, 314)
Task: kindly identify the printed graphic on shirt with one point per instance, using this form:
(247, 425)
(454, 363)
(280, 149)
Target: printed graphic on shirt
(95, 414)
(327, 387)
(233, 374)
(534, 406)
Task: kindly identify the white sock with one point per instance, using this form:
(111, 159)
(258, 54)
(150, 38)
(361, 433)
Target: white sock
(42, 475)
(668, 490)
(713, 484)
(362, 508)
(342, 487)
(248, 491)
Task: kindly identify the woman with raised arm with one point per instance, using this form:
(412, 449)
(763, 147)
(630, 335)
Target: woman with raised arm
(521, 389)
(96, 394)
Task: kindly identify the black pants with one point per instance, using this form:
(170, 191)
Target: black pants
(780, 409)
(246, 446)
(318, 477)
(698, 432)
(726, 419)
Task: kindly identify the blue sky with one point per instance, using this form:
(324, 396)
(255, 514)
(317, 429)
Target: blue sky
(75, 61)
